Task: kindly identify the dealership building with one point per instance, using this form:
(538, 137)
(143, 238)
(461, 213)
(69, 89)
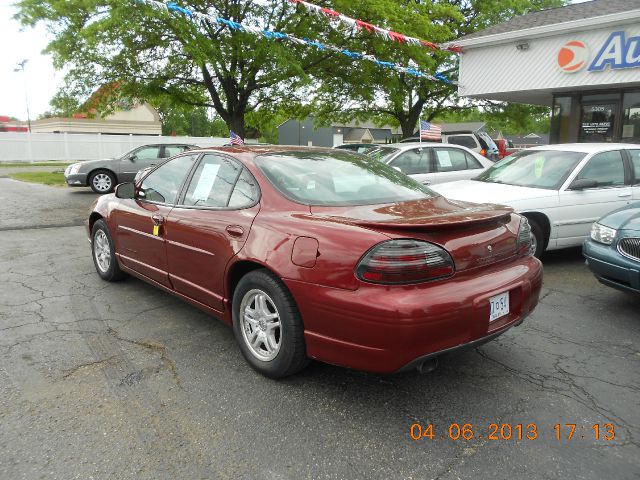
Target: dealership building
(583, 60)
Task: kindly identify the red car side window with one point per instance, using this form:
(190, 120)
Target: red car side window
(213, 182)
(163, 184)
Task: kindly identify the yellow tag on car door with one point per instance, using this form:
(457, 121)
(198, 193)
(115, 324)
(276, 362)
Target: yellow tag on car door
(156, 230)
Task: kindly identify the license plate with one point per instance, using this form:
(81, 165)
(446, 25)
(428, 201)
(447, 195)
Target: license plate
(499, 306)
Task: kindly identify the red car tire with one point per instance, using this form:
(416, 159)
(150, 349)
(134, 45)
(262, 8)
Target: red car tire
(267, 325)
(104, 253)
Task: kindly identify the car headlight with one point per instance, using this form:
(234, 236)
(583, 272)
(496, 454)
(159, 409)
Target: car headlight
(603, 234)
(72, 169)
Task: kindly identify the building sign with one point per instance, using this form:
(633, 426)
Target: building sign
(573, 56)
(617, 52)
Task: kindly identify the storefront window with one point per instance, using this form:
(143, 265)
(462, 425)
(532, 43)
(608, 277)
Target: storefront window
(601, 98)
(631, 118)
(597, 121)
(560, 121)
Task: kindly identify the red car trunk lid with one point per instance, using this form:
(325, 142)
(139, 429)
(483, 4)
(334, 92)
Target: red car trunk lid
(474, 234)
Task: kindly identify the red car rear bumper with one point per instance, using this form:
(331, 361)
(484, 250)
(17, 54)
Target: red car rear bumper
(384, 329)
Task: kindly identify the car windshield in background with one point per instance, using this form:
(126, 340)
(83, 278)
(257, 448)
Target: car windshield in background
(338, 178)
(533, 168)
(381, 153)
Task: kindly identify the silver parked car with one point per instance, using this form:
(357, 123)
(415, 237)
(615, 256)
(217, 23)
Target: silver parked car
(103, 175)
(431, 163)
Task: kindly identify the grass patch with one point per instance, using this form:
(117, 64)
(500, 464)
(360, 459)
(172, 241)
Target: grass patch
(45, 178)
(35, 164)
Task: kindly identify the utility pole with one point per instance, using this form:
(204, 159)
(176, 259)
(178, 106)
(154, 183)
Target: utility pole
(20, 67)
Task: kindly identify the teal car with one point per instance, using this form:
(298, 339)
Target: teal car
(613, 249)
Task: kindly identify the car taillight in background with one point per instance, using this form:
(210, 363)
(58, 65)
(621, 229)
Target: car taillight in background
(405, 261)
(524, 244)
(483, 152)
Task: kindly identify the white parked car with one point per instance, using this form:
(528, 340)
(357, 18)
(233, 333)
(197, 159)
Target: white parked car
(561, 189)
(431, 163)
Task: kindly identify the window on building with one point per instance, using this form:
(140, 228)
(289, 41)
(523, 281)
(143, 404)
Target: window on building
(597, 121)
(631, 118)
(560, 121)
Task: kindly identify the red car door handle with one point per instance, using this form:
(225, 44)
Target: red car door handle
(235, 231)
(157, 219)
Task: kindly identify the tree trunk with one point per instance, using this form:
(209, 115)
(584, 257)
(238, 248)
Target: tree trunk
(237, 125)
(409, 120)
(236, 105)
(408, 127)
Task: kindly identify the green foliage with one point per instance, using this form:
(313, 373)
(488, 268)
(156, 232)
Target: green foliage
(45, 178)
(364, 91)
(510, 119)
(480, 14)
(153, 54)
(187, 120)
(64, 104)
(33, 164)
(166, 59)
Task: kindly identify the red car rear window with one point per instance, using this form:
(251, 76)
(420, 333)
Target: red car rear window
(338, 178)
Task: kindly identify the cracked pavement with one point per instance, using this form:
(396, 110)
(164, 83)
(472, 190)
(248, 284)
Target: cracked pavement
(121, 381)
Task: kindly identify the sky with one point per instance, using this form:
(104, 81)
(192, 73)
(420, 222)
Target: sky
(40, 78)
(40, 81)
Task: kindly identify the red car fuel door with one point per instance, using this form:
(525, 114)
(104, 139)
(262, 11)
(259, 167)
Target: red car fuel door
(209, 226)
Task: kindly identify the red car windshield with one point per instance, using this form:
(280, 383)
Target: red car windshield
(338, 178)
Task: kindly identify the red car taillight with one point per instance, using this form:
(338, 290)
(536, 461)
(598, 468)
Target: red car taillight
(405, 261)
(524, 237)
(483, 152)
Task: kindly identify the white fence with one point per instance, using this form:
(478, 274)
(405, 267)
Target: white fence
(42, 147)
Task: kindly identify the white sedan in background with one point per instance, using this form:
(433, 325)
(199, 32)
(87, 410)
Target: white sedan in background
(561, 189)
(431, 163)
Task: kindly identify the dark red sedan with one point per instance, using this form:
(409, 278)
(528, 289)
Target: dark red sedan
(320, 253)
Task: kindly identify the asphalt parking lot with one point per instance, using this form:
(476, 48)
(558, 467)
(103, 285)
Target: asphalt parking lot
(115, 381)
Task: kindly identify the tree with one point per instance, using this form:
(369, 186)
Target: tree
(155, 54)
(63, 105)
(188, 120)
(400, 99)
(507, 118)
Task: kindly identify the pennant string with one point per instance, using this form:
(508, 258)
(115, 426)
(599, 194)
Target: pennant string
(381, 32)
(172, 7)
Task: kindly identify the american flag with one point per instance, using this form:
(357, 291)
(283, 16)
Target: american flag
(235, 139)
(429, 131)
